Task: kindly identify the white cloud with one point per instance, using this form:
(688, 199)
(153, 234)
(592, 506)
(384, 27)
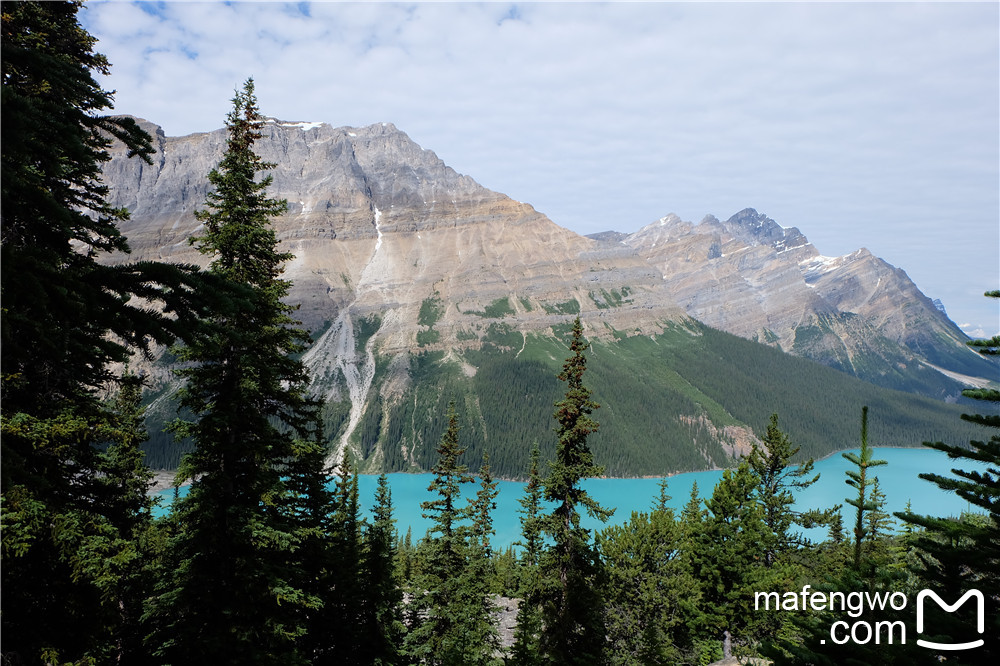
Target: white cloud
(862, 124)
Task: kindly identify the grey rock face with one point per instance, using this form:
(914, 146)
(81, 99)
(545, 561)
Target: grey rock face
(751, 277)
(379, 225)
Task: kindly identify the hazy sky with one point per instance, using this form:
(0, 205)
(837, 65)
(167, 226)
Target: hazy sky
(862, 124)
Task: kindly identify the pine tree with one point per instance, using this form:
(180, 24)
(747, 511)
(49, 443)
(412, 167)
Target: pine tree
(125, 480)
(480, 569)
(343, 623)
(648, 592)
(729, 552)
(531, 505)
(572, 608)
(662, 502)
(778, 480)
(859, 480)
(483, 507)
(309, 507)
(67, 319)
(957, 554)
(448, 609)
(527, 633)
(384, 620)
(236, 592)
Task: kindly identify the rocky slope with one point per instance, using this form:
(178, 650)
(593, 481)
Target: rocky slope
(751, 277)
(399, 259)
(378, 224)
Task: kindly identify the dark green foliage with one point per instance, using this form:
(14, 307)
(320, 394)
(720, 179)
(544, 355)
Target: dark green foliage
(571, 574)
(347, 621)
(778, 479)
(431, 310)
(483, 507)
(498, 309)
(613, 299)
(531, 506)
(125, 480)
(310, 508)
(526, 650)
(664, 400)
(231, 588)
(69, 557)
(449, 622)
(649, 593)
(953, 554)
(570, 307)
(860, 481)
(728, 553)
(383, 620)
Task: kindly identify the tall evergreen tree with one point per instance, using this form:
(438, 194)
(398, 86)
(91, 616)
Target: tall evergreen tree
(383, 635)
(483, 507)
(125, 480)
(345, 604)
(481, 566)
(309, 508)
(778, 479)
(527, 633)
(531, 506)
(449, 608)
(957, 554)
(860, 480)
(729, 552)
(572, 608)
(67, 318)
(235, 593)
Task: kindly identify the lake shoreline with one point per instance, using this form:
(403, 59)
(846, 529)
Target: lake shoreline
(164, 478)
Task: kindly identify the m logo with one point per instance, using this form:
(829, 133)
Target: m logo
(980, 617)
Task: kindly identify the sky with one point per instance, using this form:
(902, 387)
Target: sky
(870, 125)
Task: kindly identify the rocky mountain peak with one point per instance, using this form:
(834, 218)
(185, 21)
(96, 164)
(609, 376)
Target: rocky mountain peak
(758, 229)
(381, 227)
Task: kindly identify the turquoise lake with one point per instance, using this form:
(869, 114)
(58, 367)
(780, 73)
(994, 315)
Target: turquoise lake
(898, 480)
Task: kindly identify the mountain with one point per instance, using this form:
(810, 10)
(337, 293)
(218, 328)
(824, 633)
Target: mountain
(751, 277)
(421, 286)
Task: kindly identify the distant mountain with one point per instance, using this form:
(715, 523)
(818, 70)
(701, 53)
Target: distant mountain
(419, 284)
(857, 313)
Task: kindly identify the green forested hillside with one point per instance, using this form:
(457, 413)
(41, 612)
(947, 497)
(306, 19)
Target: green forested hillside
(677, 401)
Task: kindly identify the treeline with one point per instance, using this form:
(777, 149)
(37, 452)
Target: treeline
(262, 562)
(664, 402)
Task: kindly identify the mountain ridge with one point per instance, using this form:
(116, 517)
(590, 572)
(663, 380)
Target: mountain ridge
(397, 257)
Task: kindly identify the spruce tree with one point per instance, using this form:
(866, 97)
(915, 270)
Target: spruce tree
(309, 507)
(125, 481)
(483, 507)
(344, 608)
(729, 552)
(860, 480)
(383, 620)
(572, 608)
(449, 610)
(527, 633)
(481, 569)
(235, 592)
(959, 553)
(68, 318)
(778, 479)
(531, 505)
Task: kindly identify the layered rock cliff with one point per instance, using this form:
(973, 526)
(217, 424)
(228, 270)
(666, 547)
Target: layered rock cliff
(397, 257)
(749, 276)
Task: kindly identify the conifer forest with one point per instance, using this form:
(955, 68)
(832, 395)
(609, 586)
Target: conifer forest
(265, 561)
